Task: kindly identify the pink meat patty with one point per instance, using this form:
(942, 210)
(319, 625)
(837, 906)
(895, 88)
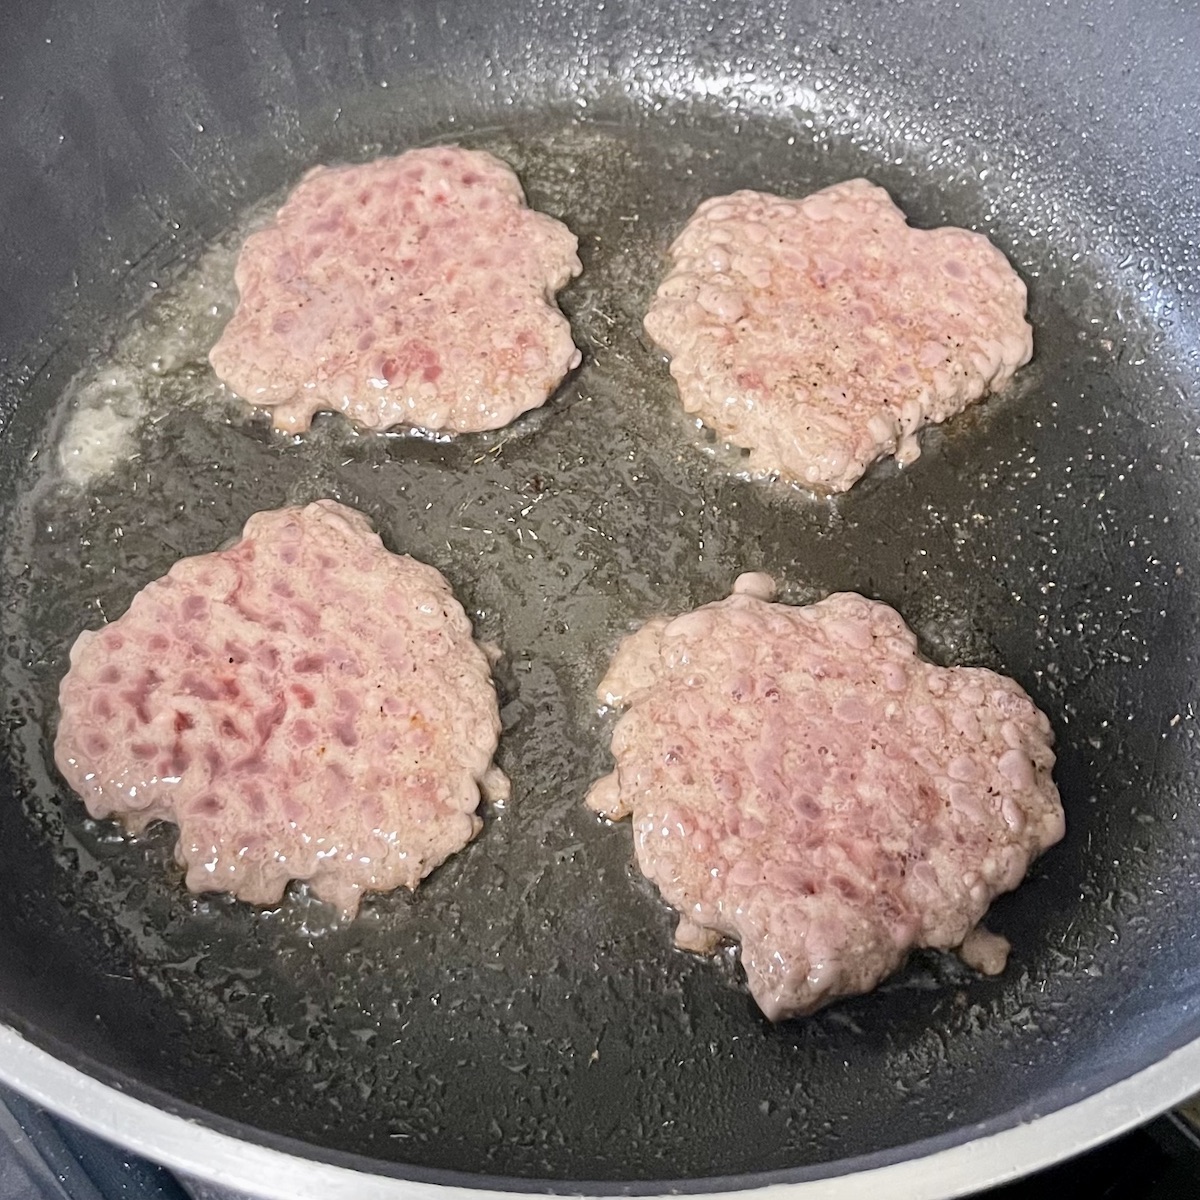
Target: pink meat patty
(822, 333)
(803, 783)
(416, 290)
(303, 705)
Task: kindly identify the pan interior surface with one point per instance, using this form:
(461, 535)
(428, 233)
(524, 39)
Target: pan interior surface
(523, 1015)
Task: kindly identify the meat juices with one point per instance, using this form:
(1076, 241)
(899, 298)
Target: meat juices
(416, 290)
(303, 705)
(802, 782)
(822, 333)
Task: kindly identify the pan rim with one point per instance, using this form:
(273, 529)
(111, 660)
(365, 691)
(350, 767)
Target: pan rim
(193, 1148)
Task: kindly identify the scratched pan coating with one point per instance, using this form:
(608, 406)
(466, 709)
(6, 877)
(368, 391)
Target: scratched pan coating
(524, 1015)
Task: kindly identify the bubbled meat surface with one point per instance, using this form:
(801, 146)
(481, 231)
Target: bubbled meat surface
(822, 333)
(416, 290)
(802, 782)
(303, 705)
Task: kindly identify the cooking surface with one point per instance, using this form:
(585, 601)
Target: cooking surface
(537, 957)
(45, 1158)
(524, 1014)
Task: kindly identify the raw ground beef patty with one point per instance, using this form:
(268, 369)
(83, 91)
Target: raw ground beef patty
(803, 783)
(303, 705)
(416, 290)
(822, 333)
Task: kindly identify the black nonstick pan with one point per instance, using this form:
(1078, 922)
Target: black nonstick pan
(522, 1022)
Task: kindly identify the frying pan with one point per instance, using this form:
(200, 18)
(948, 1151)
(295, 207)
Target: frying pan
(522, 1023)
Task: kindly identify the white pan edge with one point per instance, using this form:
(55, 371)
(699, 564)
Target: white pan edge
(203, 1153)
